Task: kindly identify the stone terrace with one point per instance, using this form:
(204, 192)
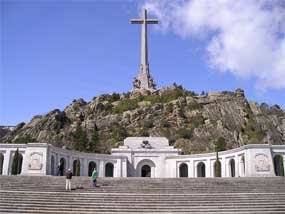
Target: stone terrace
(46, 194)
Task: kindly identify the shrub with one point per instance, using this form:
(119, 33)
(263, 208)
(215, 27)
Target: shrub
(185, 133)
(148, 124)
(126, 105)
(17, 163)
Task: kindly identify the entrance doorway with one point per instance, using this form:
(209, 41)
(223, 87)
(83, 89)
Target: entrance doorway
(146, 171)
(201, 170)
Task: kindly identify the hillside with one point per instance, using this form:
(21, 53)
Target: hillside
(191, 122)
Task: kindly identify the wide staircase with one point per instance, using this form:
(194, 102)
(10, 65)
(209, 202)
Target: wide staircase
(46, 194)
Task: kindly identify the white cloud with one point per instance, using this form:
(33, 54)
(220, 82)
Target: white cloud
(244, 37)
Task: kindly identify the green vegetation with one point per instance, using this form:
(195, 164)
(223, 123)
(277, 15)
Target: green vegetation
(220, 144)
(185, 133)
(253, 133)
(131, 104)
(148, 124)
(125, 105)
(76, 167)
(17, 163)
(25, 139)
(217, 168)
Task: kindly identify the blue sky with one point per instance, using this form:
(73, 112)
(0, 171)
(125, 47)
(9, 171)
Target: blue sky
(55, 51)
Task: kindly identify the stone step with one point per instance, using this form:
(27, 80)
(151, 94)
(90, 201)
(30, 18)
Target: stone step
(39, 194)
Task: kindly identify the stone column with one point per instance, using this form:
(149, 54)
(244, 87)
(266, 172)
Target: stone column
(237, 166)
(101, 169)
(242, 168)
(6, 164)
(207, 168)
(224, 167)
(284, 164)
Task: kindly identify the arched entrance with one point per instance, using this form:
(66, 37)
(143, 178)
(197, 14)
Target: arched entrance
(1, 163)
(109, 170)
(91, 167)
(232, 168)
(61, 167)
(52, 165)
(146, 171)
(17, 163)
(76, 167)
(183, 170)
(145, 168)
(278, 165)
(201, 170)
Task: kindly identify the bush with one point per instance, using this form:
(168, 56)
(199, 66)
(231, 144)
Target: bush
(185, 133)
(220, 144)
(126, 105)
(25, 139)
(17, 163)
(148, 124)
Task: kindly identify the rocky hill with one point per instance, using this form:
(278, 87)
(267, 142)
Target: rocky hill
(192, 122)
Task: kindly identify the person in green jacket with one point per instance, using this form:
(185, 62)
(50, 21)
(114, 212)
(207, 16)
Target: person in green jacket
(94, 177)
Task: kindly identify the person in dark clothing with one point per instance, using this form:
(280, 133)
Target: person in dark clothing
(68, 175)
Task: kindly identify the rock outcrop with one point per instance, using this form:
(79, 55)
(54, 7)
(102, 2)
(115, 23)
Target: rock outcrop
(190, 121)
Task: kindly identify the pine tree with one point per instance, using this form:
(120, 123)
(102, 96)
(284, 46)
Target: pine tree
(77, 167)
(16, 163)
(80, 139)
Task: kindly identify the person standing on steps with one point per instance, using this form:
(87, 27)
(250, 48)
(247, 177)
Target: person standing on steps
(68, 175)
(94, 177)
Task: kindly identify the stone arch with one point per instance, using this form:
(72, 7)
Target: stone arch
(76, 167)
(201, 170)
(1, 163)
(91, 166)
(217, 168)
(17, 164)
(52, 165)
(232, 168)
(142, 169)
(62, 166)
(278, 165)
(183, 170)
(109, 170)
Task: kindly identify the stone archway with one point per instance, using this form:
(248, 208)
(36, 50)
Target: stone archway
(16, 167)
(232, 168)
(91, 166)
(183, 170)
(61, 167)
(278, 165)
(146, 171)
(109, 170)
(145, 168)
(1, 163)
(201, 171)
(76, 167)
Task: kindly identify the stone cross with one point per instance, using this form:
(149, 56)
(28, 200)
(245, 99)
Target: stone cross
(144, 80)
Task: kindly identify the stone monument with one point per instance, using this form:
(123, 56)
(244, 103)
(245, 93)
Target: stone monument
(144, 81)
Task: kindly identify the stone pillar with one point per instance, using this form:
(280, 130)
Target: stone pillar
(84, 167)
(224, 167)
(284, 164)
(101, 169)
(6, 164)
(207, 168)
(152, 172)
(237, 165)
(242, 167)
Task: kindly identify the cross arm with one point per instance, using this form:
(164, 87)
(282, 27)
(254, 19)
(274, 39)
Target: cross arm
(152, 21)
(136, 21)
